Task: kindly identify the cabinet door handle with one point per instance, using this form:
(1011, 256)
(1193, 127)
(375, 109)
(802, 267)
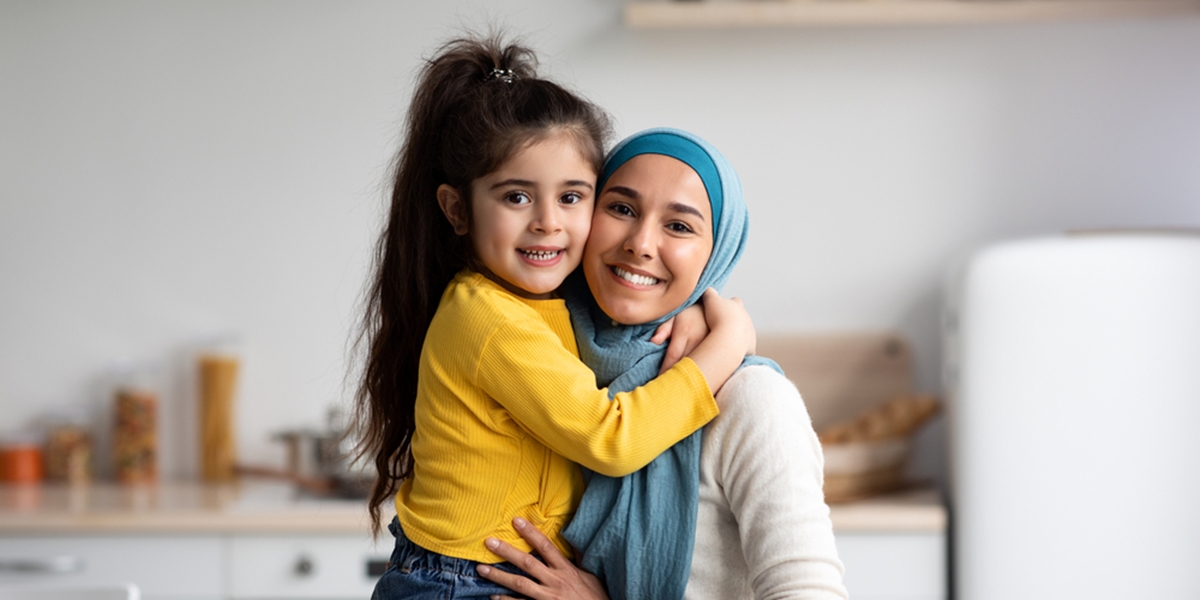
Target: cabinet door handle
(304, 566)
(56, 564)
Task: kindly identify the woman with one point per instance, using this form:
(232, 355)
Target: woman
(669, 223)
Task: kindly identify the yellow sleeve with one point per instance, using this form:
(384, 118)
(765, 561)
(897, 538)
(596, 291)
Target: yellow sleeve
(553, 395)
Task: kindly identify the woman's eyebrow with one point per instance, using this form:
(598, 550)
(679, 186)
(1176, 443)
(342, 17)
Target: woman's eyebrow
(684, 208)
(630, 193)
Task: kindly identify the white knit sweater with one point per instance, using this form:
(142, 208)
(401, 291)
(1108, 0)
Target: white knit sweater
(763, 529)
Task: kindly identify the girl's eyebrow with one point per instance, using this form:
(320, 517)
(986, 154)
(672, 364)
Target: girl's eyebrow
(528, 183)
(508, 182)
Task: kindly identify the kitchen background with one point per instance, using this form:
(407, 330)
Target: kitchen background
(178, 173)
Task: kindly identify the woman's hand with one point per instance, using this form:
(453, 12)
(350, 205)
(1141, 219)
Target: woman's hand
(557, 578)
(686, 330)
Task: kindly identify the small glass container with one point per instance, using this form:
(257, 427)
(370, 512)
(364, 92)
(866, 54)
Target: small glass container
(69, 449)
(135, 436)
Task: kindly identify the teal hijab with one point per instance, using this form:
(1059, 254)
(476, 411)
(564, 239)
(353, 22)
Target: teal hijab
(636, 532)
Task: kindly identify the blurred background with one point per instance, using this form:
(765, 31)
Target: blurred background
(174, 175)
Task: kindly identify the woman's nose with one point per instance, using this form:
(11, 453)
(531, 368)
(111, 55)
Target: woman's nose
(640, 243)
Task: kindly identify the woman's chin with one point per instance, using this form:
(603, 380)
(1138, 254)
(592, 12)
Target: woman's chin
(630, 313)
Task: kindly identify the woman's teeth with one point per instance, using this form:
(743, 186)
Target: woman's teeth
(634, 278)
(540, 254)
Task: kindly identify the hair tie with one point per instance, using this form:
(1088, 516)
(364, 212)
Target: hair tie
(505, 75)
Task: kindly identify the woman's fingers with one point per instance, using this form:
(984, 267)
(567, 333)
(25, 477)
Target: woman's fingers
(517, 583)
(556, 579)
(523, 560)
(541, 543)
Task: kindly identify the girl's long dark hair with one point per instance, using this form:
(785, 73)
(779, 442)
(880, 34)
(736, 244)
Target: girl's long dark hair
(477, 101)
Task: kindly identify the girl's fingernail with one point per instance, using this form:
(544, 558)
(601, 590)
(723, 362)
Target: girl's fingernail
(520, 523)
(492, 543)
(484, 569)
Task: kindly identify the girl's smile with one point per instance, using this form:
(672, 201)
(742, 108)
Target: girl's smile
(541, 256)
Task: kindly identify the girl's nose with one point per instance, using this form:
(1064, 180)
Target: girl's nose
(546, 219)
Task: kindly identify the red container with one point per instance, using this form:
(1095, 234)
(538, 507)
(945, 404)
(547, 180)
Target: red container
(20, 462)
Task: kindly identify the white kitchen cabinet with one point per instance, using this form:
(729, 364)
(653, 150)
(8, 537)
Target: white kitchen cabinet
(894, 566)
(163, 568)
(894, 547)
(226, 567)
(303, 566)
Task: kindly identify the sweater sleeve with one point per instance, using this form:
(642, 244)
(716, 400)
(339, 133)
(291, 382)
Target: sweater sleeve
(553, 395)
(771, 468)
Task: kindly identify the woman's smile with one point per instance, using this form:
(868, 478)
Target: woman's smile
(651, 238)
(633, 278)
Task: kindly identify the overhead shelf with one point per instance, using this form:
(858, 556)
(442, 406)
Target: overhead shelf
(713, 14)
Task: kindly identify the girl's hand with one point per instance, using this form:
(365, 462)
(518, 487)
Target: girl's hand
(686, 330)
(557, 578)
(730, 319)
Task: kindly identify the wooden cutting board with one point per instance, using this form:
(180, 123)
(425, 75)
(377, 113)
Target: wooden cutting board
(839, 375)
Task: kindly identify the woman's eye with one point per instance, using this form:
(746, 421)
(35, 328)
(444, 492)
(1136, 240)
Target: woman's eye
(678, 227)
(620, 209)
(517, 198)
(571, 198)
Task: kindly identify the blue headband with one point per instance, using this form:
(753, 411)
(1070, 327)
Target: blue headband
(680, 148)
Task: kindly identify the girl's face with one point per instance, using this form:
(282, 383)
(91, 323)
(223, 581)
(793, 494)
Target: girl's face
(531, 216)
(651, 238)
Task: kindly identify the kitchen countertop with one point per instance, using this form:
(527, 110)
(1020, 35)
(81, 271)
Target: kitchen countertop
(253, 506)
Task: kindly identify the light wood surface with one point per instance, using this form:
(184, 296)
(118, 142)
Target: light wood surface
(267, 507)
(825, 13)
(840, 375)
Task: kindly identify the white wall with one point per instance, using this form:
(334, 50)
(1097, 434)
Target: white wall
(175, 171)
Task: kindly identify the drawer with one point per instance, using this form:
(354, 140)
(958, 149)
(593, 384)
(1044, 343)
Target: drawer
(894, 566)
(162, 567)
(305, 566)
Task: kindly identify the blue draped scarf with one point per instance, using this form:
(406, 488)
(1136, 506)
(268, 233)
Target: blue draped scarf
(636, 532)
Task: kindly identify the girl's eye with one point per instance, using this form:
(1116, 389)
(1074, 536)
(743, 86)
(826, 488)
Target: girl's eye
(517, 198)
(571, 198)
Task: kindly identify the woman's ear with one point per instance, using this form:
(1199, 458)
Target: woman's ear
(453, 207)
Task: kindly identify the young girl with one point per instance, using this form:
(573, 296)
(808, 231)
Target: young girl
(474, 403)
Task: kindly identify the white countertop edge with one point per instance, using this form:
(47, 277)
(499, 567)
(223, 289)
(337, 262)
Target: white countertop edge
(254, 508)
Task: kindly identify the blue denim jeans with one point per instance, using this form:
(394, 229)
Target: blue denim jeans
(415, 573)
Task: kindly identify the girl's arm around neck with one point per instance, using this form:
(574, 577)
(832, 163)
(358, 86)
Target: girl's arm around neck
(731, 339)
(551, 394)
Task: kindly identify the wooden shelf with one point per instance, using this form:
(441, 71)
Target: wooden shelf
(713, 14)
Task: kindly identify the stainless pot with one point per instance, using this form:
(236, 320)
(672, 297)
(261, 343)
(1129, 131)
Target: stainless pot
(325, 457)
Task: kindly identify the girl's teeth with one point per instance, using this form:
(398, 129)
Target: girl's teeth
(634, 278)
(541, 254)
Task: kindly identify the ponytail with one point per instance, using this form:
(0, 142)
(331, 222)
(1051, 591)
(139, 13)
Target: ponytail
(476, 103)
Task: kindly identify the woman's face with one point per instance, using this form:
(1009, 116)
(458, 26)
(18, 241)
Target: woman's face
(651, 238)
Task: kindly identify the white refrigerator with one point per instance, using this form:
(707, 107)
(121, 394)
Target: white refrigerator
(1073, 370)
